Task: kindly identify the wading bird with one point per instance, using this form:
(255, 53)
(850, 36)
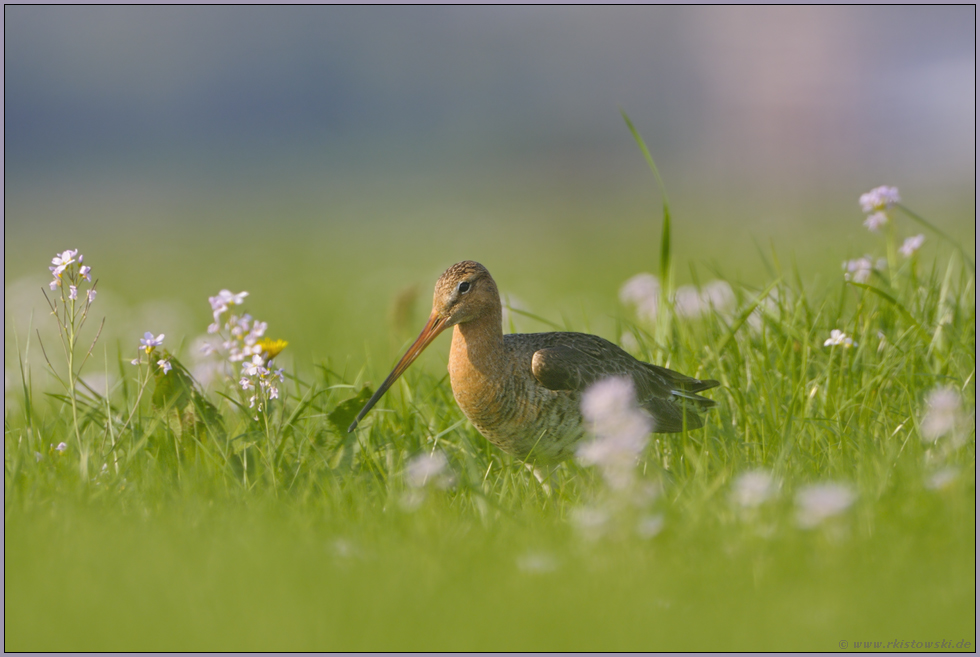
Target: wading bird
(523, 391)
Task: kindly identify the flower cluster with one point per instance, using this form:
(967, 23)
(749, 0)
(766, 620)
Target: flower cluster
(643, 293)
(241, 333)
(243, 341)
(428, 469)
(255, 374)
(879, 198)
(751, 489)
(944, 417)
(819, 502)
(876, 204)
(423, 472)
(221, 303)
(622, 430)
(859, 270)
(690, 302)
(67, 267)
(911, 245)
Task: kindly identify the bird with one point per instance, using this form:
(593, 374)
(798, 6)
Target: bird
(522, 391)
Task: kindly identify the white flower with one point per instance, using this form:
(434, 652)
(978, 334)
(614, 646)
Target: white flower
(691, 302)
(643, 292)
(148, 342)
(246, 384)
(876, 221)
(234, 299)
(84, 272)
(55, 284)
(879, 198)
(941, 479)
(687, 302)
(257, 331)
(610, 405)
(91, 295)
(165, 365)
(622, 430)
(719, 296)
(650, 526)
(62, 260)
(752, 488)
(426, 468)
(256, 368)
(72, 292)
(135, 361)
(942, 414)
(838, 337)
(821, 501)
(858, 270)
(911, 245)
(591, 521)
(62, 447)
(536, 562)
(225, 299)
(273, 392)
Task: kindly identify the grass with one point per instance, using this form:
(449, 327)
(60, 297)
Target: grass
(209, 529)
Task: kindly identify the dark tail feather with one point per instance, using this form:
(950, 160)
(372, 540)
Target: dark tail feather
(685, 398)
(681, 382)
(700, 385)
(672, 415)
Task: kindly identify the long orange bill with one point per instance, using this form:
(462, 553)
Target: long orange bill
(433, 327)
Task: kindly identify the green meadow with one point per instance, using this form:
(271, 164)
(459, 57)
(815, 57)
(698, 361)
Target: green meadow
(828, 504)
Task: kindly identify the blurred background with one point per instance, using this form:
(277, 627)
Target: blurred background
(334, 160)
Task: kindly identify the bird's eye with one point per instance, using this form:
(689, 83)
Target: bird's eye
(464, 287)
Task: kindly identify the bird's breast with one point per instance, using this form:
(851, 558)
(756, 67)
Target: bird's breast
(508, 406)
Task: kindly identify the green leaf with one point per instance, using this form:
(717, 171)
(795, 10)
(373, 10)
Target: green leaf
(345, 412)
(173, 389)
(205, 417)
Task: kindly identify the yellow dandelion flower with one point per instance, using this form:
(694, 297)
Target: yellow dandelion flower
(271, 348)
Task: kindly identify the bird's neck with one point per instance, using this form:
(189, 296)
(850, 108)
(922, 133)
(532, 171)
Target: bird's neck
(478, 344)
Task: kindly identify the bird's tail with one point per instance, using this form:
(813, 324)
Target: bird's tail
(685, 388)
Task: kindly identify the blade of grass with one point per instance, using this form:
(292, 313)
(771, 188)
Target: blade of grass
(954, 243)
(894, 302)
(665, 250)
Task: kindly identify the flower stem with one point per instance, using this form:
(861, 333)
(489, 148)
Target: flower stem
(72, 327)
(891, 252)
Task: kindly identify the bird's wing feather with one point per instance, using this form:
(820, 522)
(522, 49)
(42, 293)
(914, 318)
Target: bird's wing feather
(580, 360)
(577, 361)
